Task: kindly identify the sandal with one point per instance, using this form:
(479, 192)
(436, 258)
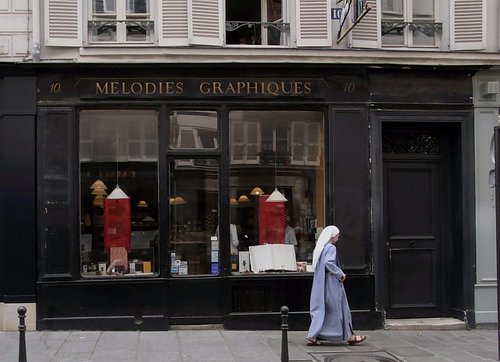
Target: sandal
(313, 342)
(356, 339)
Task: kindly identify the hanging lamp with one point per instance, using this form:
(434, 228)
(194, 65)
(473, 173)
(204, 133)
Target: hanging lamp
(276, 196)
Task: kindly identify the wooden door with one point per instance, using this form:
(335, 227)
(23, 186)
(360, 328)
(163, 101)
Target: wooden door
(415, 228)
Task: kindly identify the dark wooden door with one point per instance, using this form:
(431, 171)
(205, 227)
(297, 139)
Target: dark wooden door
(416, 204)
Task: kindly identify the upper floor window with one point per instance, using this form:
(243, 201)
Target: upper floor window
(409, 23)
(120, 21)
(257, 22)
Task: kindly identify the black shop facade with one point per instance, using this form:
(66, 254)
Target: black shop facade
(190, 196)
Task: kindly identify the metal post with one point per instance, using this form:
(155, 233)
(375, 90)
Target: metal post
(21, 311)
(284, 333)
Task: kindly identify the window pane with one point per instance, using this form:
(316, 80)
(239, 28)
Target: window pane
(139, 31)
(423, 9)
(250, 22)
(119, 228)
(137, 6)
(290, 159)
(423, 34)
(104, 6)
(392, 8)
(194, 216)
(194, 130)
(393, 33)
(102, 31)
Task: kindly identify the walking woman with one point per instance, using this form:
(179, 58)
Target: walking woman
(330, 313)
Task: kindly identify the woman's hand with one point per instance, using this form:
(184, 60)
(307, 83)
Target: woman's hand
(342, 278)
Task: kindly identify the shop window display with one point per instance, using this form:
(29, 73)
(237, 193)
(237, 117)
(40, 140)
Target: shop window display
(194, 217)
(119, 193)
(276, 188)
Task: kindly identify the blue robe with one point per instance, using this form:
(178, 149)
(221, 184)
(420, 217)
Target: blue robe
(330, 313)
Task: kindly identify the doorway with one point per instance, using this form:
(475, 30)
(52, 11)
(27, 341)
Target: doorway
(418, 183)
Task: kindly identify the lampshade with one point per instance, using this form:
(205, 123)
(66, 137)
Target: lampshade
(233, 201)
(142, 203)
(98, 184)
(256, 191)
(243, 198)
(98, 201)
(176, 200)
(99, 191)
(276, 196)
(118, 194)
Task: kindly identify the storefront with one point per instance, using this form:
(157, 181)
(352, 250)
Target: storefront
(195, 195)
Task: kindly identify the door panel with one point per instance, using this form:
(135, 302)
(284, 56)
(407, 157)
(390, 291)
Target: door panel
(413, 242)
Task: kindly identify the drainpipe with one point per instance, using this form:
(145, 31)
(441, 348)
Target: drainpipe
(35, 16)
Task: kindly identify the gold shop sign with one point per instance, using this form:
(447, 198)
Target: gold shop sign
(200, 88)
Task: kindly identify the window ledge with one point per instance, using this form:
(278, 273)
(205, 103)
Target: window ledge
(245, 55)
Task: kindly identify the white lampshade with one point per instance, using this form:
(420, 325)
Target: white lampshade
(117, 194)
(276, 196)
(233, 201)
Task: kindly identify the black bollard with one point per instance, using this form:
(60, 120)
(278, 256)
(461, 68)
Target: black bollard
(21, 311)
(284, 333)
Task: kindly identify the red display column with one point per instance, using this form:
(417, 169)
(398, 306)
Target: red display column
(117, 227)
(271, 221)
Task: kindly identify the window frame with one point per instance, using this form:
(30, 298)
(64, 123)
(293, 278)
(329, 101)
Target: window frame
(120, 18)
(408, 21)
(285, 34)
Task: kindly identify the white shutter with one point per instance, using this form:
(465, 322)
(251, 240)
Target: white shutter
(173, 22)
(468, 25)
(314, 26)
(62, 22)
(366, 34)
(206, 23)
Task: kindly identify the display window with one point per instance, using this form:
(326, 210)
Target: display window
(119, 193)
(194, 216)
(276, 189)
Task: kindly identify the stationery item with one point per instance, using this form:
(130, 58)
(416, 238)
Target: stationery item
(278, 257)
(244, 261)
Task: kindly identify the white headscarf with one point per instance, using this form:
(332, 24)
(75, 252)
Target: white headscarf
(325, 236)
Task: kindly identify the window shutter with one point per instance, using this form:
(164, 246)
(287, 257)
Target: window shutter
(173, 22)
(468, 22)
(63, 26)
(366, 34)
(205, 22)
(314, 27)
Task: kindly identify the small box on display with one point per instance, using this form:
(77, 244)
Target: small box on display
(183, 268)
(244, 261)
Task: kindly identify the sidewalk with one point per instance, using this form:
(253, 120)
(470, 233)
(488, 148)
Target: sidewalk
(257, 346)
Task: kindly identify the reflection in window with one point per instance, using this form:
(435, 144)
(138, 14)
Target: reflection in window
(194, 217)
(276, 156)
(119, 193)
(120, 21)
(256, 22)
(194, 130)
